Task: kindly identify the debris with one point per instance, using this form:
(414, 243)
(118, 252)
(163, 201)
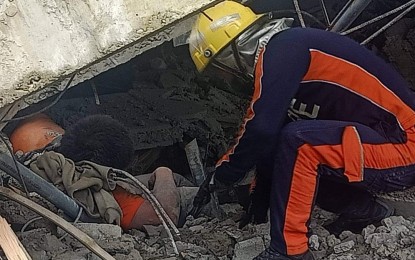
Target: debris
(195, 162)
(248, 249)
(343, 247)
(98, 231)
(82, 237)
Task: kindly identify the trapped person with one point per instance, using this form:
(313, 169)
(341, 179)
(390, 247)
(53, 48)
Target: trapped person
(336, 121)
(105, 141)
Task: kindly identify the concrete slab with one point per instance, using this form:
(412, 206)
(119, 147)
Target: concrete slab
(248, 249)
(43, 42)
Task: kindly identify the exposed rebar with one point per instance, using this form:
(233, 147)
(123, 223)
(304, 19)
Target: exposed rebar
(299, 14)
(389, 24)
(378, 18)
(326, 14)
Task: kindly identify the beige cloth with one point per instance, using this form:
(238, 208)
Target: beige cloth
(88, 183)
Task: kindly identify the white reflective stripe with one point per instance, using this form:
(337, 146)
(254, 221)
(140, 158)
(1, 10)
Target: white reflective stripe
(215, 25)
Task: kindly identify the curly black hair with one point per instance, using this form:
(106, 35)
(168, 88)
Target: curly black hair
(99, 139)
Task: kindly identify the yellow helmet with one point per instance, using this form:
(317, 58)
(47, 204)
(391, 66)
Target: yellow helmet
(215, 28)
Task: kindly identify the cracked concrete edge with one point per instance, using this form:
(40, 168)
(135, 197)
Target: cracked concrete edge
(38, 86)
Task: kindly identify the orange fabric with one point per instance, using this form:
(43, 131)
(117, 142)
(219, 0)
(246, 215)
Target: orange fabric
(325, 67)
(353, 154)
(300, 201)
(34, 133)
(129, 204)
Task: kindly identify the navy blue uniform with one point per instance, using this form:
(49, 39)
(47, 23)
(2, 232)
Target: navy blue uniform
(361, 117)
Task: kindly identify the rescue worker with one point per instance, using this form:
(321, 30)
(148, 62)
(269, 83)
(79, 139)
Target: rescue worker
(325, 110)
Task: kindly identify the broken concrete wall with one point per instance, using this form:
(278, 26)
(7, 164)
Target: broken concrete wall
(43, 41)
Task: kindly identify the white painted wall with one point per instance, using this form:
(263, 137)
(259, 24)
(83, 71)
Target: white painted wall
(43, 41)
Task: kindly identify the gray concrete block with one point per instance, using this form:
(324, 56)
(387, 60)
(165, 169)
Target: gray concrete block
(100, 231)
(248, 249)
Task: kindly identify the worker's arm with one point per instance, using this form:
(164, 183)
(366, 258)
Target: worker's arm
(278, 73)
(166, 193)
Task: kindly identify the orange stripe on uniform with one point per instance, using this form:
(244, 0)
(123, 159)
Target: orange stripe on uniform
(300, 201)
(303, 187)
(250, 113)
(328, 68)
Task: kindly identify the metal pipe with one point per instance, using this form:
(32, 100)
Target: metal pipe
(39, 185)
(348, 15)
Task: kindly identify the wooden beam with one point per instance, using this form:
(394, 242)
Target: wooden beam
(10, 244)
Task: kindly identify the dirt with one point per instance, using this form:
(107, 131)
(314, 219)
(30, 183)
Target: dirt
(207, 238)
(165, 104)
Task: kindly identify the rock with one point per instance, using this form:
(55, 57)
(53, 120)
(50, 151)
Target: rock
(38, 255)
(134, 255)
(347, 234)
(332, 241)
(41, 240)
(190, 221)
(248, 249)
(137, 234)
(117, 246)
(343, 257)
(197, 228)
(368, 230)
(99, 231)
(153, 231)
(313, 242)
(377, 239)
(344, 247)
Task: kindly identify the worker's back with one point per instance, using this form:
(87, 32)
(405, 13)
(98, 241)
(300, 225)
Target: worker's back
(340, 80)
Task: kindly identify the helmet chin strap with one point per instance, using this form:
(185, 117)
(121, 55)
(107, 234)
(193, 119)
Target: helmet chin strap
(237, 58)
(238, 73)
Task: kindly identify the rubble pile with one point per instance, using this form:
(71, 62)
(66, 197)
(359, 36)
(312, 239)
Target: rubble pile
(207, 238)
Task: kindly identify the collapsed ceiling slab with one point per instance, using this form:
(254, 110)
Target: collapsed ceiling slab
(42, 43)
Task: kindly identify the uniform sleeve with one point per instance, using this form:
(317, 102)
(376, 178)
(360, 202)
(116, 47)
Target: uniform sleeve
(278, 73)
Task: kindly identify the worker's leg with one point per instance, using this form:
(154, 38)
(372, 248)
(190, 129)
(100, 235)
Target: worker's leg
(355, 205)
(337, 195)
(306, 146)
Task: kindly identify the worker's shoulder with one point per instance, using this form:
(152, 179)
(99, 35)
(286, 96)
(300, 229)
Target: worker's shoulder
(304, 35)
(298, 39)
(305, 39)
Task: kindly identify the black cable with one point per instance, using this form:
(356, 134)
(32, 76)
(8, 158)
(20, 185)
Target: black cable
(45, 108)
(15, 165)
